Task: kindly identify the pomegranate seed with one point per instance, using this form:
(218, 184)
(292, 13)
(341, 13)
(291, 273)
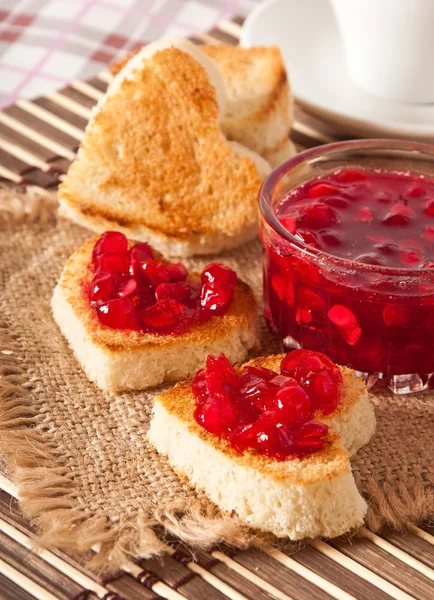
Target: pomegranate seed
(308, 363)
(162, 314)
(219, 365)
(323, 391)
(154, 272)
(402, 209)
(266, 436)
(429, 208)
(117, 313)
(350, 175)
(329, 238)
(321, 189)
(351, 336)
(199, 385)
(216, 273)
(318, 215)
(115, 264)
(299, 363)
(336, 202)
(428, 234)
(290, 362)
(309, 436)
(289, 224)
(399, 215)
(143, 298)
(364, 215)
(126, 287)
(282, 380)
(411, 258)
(179, 291)
(310, 430)
(110, 241)
(101, 287)
(414, 191)
(310, 299)
(259, 391)
(395, 315)
(342, 317)
(216, 299)
(370, 259)
(396, 219)
(388, 249)
(260, 372)
(216, 415)
(141, 253)
(292, 404)
(218, 288)
(177, 272)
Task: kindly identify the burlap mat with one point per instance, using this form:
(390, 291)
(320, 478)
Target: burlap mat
(79, 456)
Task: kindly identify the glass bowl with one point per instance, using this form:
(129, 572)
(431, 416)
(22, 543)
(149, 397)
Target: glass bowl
(394, 308)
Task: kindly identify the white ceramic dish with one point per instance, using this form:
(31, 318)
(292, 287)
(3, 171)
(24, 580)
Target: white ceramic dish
(307, 34)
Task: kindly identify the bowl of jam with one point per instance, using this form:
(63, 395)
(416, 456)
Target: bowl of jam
(348, 237)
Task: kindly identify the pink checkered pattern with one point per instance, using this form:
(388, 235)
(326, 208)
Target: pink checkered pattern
(46, 43)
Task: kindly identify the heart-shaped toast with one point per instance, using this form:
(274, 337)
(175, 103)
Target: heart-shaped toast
(271, 440)
(155, 164)
(135, 321)
(258, 111)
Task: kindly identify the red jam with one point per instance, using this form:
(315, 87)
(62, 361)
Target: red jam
(266, 412)
(132, 289)
(372, 319)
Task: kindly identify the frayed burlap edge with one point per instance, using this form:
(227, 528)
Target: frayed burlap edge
(45, 486)
(47, 496)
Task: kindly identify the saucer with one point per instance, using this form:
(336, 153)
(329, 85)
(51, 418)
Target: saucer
(308, 36)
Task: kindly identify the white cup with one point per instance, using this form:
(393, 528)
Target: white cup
(389, 46)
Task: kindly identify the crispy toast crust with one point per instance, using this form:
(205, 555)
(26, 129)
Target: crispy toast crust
(78, 273)
(327, 463)
(154, 157)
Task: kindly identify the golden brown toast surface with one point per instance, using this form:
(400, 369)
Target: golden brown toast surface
(236, 64)
(180, 402)
(155, 156)
(77, 275)
(261, 72)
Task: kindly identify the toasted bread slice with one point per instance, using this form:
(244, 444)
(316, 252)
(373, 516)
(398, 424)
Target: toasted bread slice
(296, 498)
(118, 360)
(155, 164)
(258, 111)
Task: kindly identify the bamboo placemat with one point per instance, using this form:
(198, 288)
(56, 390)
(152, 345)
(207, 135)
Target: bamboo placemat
(38, 140)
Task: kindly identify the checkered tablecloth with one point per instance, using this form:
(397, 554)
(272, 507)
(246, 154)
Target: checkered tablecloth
(45, 43)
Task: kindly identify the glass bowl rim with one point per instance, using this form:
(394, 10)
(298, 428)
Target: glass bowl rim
(269, 215)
